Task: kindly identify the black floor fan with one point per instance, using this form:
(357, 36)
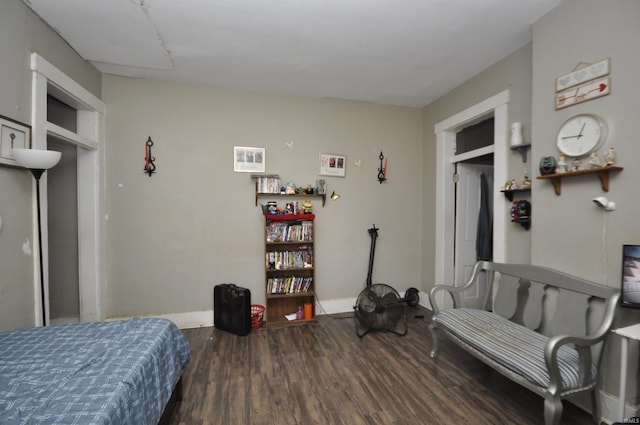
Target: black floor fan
(379, 307)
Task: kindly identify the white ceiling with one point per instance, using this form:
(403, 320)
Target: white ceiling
(402, 52)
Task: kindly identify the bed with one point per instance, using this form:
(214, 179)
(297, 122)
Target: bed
(116, 373)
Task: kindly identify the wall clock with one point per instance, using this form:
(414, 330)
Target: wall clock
(581, 134)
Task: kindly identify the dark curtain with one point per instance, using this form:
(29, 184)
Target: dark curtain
(484, 238)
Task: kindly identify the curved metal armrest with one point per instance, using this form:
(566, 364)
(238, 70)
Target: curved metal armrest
(582, 345)
(455, 291)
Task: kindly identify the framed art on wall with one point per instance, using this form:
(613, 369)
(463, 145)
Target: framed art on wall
(12, 135)
(248, 160)
(333, 165)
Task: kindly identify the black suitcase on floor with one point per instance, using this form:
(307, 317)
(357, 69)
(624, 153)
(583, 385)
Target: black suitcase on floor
(232, 308)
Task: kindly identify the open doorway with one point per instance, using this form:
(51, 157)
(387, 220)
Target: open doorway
(64, 285)
(450, 164)
(87, 139)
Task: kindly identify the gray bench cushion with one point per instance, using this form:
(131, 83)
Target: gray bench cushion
(515, 347)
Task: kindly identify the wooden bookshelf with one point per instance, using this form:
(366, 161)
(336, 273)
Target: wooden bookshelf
(289, 257)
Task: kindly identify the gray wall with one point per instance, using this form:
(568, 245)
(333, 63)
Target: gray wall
(194, 224)
(582, 239)
(21, 33)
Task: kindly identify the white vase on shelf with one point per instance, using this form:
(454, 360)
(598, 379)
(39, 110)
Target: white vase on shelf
(516, 134)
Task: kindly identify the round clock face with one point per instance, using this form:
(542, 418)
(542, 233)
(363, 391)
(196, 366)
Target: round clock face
(580, 135)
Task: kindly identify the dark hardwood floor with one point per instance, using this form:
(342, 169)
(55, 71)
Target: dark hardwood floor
(324, 374)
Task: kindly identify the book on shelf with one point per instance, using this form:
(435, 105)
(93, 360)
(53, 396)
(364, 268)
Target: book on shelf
(268, 184)
(288, 285)
(300, 258)
(279, 231)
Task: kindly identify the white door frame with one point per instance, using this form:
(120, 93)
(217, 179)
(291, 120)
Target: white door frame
(89, 139)
(496, 106)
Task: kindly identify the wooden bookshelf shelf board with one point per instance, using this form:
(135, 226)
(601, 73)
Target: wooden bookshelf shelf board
(282, 321)
(289, 217)
(293, 295)
(602, 172)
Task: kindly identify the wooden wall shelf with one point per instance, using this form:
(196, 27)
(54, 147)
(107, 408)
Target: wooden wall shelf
(268, 194)
(524, 222)
(510, 193)
(602, 172)
(297, 195)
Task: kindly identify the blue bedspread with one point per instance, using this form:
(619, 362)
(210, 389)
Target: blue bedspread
(113, 373)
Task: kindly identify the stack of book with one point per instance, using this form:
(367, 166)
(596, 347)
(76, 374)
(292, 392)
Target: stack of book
(282, 260)
(284, 232)
(288, 285)
(268, 184)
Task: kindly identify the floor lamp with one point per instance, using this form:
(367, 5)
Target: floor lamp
(38, 161)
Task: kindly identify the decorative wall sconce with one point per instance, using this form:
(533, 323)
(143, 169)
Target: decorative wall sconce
(382, 171)
(334, 196)
(149, 160)
(603, 202)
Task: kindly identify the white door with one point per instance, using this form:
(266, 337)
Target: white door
(468, 196)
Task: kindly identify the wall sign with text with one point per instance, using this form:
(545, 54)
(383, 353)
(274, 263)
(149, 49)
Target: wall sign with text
(585, 83)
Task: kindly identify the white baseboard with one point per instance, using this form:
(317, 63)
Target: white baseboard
(199, 319)
(192, 319)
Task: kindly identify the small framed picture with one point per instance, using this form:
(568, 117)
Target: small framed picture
(248, 160)
(333, 165)
(12, 135)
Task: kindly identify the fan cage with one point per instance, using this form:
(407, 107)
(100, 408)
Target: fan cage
(379, 307)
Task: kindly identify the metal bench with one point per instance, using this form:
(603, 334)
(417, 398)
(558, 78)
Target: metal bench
(527, 337)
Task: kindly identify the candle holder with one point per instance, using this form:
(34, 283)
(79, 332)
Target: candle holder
(149, 160)
(382, 171)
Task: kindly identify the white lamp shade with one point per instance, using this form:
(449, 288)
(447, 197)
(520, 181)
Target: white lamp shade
(36, 159)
